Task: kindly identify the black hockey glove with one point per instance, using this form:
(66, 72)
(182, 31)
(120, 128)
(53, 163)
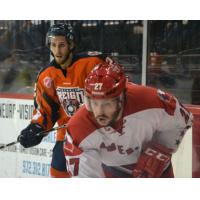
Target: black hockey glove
(28, 137)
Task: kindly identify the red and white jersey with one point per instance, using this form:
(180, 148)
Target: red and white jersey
(149, 115)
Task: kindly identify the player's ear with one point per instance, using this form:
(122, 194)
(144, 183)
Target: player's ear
(87, 103)
(71, 46)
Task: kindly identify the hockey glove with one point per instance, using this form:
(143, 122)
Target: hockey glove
(28, 137)
(152, 162)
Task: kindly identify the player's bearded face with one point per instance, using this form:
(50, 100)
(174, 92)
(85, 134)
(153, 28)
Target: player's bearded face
(105, 111)
(60, 49)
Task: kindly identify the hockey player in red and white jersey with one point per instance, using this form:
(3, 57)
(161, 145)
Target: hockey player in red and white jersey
(124, 129)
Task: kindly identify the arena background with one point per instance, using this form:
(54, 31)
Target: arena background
(163, 54)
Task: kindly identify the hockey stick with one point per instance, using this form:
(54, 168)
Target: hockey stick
(38, 134)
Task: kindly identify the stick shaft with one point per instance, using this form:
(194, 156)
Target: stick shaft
(9, 144)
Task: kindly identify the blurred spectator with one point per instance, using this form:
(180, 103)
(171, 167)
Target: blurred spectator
(5, 43)
(11, 64)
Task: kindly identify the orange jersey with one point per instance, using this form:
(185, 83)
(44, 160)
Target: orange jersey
(59, 93)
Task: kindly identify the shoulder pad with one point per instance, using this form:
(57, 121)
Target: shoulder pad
(52, 63)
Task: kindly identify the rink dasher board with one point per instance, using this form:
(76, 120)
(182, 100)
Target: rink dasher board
(16, 161)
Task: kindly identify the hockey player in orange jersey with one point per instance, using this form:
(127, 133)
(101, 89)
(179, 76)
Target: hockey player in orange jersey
(124, 130)
(58, 92)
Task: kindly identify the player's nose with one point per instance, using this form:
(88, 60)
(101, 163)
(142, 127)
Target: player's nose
(99, 109)
(57, 50)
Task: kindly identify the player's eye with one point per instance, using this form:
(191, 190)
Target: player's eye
(62, 45)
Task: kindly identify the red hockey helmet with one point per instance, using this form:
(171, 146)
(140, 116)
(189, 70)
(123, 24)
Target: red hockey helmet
(105, 81)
